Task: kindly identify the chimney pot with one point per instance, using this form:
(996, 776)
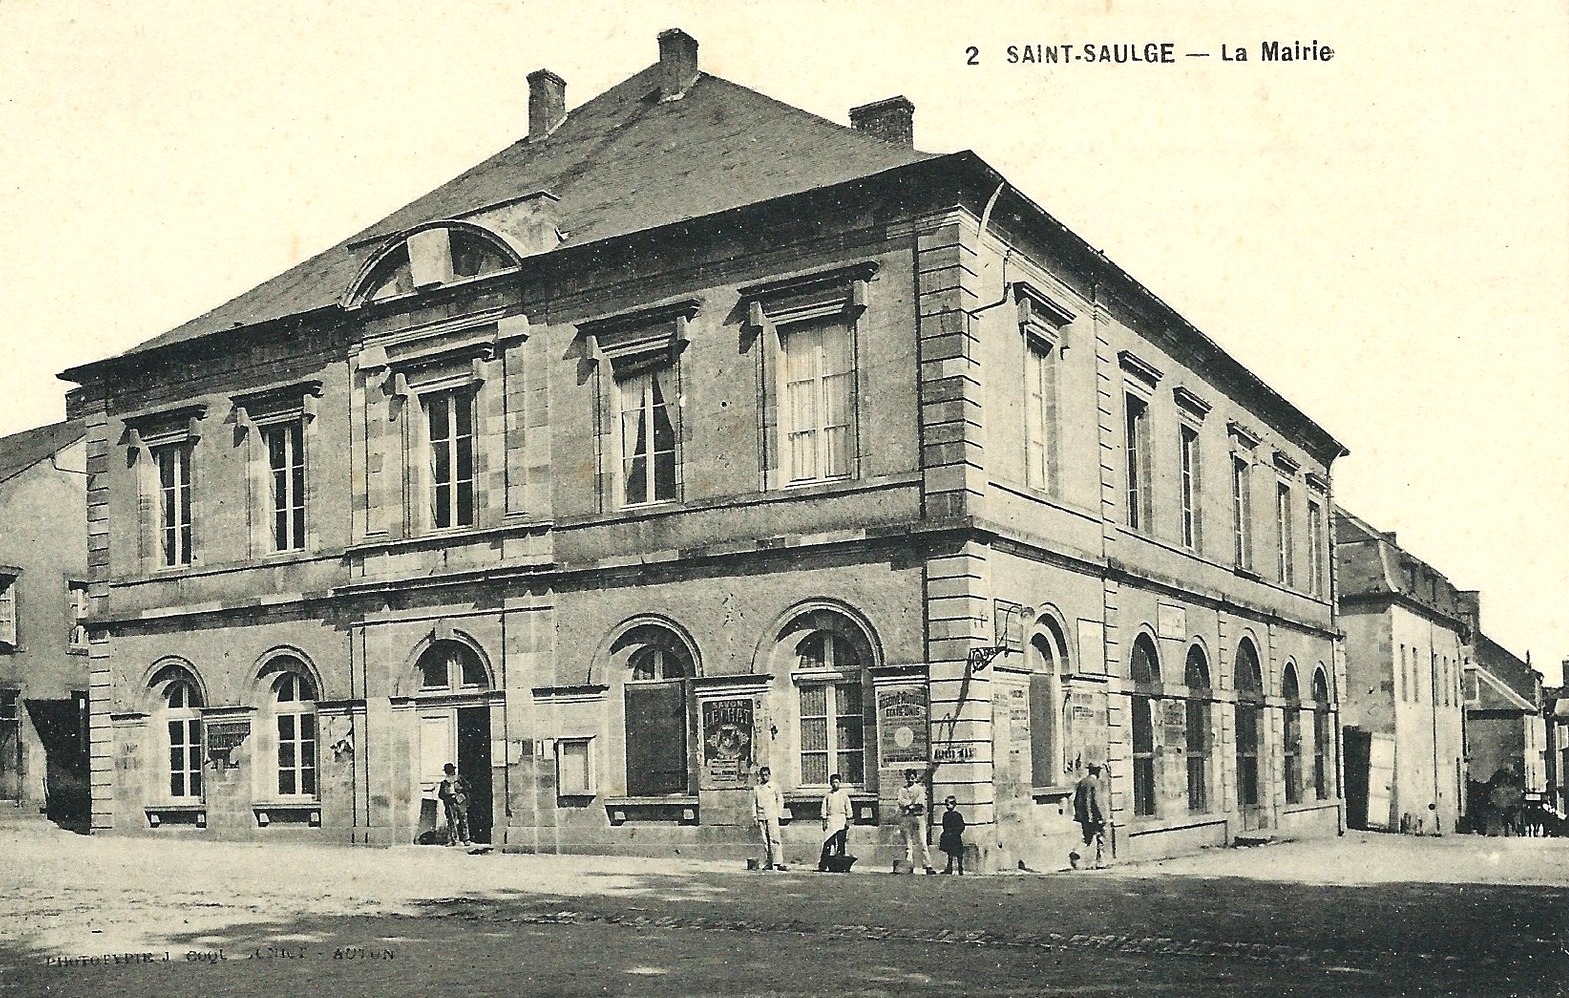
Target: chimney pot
(677, 63)
(547, 103)
(892, 120)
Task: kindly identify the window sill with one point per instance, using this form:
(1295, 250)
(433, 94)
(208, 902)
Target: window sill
(78, 650)
(680, 809)
(305, 811)
(176, 814)
(864, 804)
(1047, 795)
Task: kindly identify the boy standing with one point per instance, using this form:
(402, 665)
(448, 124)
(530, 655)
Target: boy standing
(454, 793)
(912, 820)
(767, 807)
(836, 822)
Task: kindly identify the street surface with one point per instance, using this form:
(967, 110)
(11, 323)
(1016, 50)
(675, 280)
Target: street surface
(1361, 915)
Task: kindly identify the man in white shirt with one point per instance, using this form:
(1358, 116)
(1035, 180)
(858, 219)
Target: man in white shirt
(836, 822)
(912, 820)
(767, 806)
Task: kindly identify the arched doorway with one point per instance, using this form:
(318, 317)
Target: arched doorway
(454, 727)
(1250, 718)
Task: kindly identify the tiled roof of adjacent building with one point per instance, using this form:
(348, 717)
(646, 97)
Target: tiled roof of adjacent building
(21, 451)
(1369, 563)
(1507, 667)
(623, 162)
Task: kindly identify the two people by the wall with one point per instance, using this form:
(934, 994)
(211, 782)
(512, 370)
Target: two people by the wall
(767, 808)
(454, 794)
(1091, 810)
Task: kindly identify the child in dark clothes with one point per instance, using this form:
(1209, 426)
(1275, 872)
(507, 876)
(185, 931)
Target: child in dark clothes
(952, 841)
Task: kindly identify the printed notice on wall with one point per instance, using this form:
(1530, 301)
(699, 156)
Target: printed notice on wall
(727, 743)
(901, 726)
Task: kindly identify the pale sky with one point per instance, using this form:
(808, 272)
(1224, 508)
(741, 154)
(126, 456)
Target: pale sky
(1384, 237)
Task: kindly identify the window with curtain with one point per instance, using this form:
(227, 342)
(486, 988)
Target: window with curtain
(449, 419)
(817, 414)
(1040, 412)
(1192, 509)
(649, 432)
(1242, 510)
(286, 466)
(173, 462)
(1136, 442)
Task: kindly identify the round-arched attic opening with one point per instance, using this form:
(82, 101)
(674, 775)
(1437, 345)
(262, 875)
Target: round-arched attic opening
(433, 255)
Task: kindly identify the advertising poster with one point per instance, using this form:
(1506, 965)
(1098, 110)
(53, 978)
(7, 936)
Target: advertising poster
(727, 743)
(901, 726)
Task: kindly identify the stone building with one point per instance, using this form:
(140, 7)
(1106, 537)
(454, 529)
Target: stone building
(43, 649)
(691, 433)
(1406, 648)
(1505, 731)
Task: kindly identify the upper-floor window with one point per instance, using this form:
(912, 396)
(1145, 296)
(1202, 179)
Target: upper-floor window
(8, 611)
(818, 413)
(1316, 565)
(76, 613)
(1285, 556)
(1040, 412)
(174, 502)
(649, 435)
(449, 417)
(286, 464)
(1136, 440)
(1192, 512)
(1242, 510)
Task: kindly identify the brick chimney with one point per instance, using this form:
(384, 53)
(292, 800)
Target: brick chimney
(677, 63)
(547, 103)
(892, 120)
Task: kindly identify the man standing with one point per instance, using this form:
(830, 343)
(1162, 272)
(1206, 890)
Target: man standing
(1090, 811)
(767, 806)
(912, 820)
(836, 822)
(454, 793)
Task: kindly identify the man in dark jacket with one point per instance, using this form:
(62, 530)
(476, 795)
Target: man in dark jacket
(1090, 810)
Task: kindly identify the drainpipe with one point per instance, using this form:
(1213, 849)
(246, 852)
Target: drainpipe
(1432, 696)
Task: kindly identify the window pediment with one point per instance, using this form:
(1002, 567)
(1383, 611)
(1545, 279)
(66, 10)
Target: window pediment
(641, 338)
(275, 404)
(809, 296)
(167, 426)
(1041, 316)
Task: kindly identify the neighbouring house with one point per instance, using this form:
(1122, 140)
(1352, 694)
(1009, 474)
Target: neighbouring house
(1505, 730)
(43, 646)
(1555, 716)
(1406, 648)
(691, 433)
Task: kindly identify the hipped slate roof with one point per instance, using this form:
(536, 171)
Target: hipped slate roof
(21, 451)
(624, 162)
(1369, 563)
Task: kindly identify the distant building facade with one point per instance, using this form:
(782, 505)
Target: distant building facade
(43, 647)
(1506, 732)
(691, 434)
(1407, 644)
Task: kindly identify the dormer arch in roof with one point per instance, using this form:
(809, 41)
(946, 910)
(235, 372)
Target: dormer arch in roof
(431, 255)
